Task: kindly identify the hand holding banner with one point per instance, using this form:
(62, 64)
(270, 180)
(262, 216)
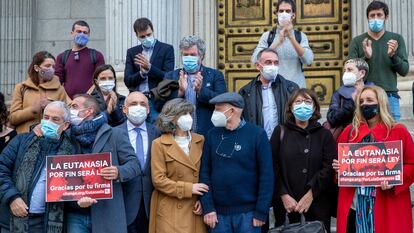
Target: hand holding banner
(369, 164)
(71, 177)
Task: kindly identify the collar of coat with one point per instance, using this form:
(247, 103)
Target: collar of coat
(53, 84)
(312, 126)
(379, 132)
(174, 151)
(276, 80)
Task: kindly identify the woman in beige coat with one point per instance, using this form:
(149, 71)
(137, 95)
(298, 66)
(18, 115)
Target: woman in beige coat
(175, 164)
(30, 97)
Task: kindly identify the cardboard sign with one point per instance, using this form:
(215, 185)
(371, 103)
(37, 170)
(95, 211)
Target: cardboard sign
(70, 177)
(369, 164)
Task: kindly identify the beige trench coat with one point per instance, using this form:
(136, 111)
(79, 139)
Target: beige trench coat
(24, 110)
(173, 175)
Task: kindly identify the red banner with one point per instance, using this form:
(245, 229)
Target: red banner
(70, 177)
(369, 164)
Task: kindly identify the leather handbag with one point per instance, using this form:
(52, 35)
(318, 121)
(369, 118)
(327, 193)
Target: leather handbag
(302, 227)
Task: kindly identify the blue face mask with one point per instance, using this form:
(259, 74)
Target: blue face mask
(147, 42)
(190, 64)
(303, 112)
(376, 25)
(49, 129)
(81, 39)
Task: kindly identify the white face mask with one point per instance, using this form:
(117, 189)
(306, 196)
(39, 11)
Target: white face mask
(185, 122)
(349, 79)
(107, 85)
(74, 117)
(270, 72)
(219, 119)
(137, 114)
(283, 17)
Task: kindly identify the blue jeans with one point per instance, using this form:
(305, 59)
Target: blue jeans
(78, 223)
(394, 103)
(238, 223)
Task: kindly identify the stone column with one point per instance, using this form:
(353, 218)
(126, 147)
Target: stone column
(15, 43)
(172, 20)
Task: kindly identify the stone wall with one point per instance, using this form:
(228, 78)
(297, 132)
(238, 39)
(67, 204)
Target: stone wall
(54, 20)
(15, 42)
(29, 26)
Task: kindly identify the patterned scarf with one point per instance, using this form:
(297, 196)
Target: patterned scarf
(23, 179)
(365, 205)
(191, 96)
(85, 133)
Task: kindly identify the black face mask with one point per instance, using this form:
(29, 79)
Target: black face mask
(369, 111)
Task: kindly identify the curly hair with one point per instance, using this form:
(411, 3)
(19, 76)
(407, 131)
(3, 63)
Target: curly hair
(4, 112)
(170, 112)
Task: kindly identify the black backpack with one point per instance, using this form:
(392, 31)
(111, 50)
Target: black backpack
(298, 37)
(92, 54)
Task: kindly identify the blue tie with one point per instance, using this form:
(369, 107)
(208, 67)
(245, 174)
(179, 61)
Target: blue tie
(139, 145)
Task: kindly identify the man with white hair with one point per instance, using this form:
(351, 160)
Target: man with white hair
(23, 174)
(237, 167)
(198, 84)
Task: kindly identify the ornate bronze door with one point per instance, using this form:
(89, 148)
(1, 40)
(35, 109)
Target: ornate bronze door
(325, 22)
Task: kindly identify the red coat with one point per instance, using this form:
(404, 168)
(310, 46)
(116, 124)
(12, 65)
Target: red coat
(392, 209)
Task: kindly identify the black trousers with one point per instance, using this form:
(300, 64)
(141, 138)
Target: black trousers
(350, 225)
(141, 223)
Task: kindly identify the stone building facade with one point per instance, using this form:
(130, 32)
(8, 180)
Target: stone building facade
(28, 26)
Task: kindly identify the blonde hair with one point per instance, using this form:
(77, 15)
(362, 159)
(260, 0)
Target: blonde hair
(384, 112)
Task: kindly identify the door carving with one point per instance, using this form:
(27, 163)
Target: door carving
(325, 22)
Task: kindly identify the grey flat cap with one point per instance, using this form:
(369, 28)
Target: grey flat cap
(229, 97)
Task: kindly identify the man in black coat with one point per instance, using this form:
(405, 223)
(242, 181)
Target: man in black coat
(137, 192)
(266, 95)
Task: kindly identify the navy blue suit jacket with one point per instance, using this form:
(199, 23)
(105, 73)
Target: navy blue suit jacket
(213, 85)
(140, 186)
(162, 61)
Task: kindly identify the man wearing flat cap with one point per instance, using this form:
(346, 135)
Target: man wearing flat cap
(237, 167)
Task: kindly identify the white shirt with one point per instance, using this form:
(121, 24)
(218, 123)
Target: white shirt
(269, 110)
(133, 137)
(143, 87)
(183, 143)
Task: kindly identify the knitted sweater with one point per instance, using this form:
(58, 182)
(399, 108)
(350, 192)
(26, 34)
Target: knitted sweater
(237, 167)
(382, 68)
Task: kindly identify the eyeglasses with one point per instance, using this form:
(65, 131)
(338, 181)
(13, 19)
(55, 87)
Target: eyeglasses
(236, 147)
(307, 102)
(76, 57)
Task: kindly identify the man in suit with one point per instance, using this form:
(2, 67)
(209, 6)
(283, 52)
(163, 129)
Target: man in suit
(137, 192)
(147, 63)
(90, 133)
(197, 83)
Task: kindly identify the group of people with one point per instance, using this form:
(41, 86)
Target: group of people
(187, 156)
